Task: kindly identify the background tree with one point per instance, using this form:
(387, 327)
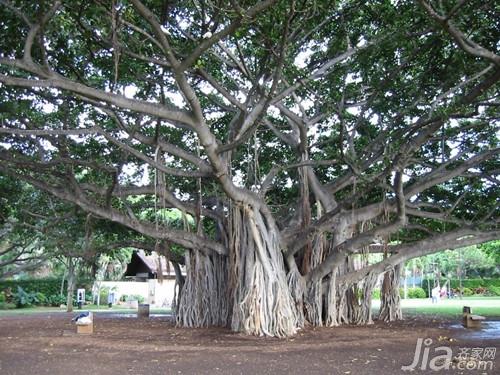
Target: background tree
(42, 231)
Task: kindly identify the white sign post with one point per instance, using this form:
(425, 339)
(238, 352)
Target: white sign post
(80, 297)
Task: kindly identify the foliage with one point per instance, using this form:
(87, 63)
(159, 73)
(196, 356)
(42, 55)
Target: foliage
(7, 306)
(135, 297)
(103, 296)
(42, 291)
(2, 297)
(56, 300)
(26, 299)
(416, 293)
(47, 286)
(47, 231)
(475, 283)
(492, 249)
(40, 298)
(467, 292)
(470, 262)
(478, 285)
(494, 290)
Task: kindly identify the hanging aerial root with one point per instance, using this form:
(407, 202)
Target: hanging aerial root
(313, 304)
(342, 310)
(365, 312)
(390, 301)
(263, 304)
(331, 302)
(313, 299)
(204, 298)
(297, 287)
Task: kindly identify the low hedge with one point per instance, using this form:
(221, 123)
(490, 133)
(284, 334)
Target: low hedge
(412, 293)
(477, 286)
(7, 306)
(37, 292)
(494, 290)
(416, 293)
(475, 283)
(47, 286)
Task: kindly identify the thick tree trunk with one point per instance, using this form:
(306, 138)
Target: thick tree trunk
(262, 302)
(390, 301)
(71, 284)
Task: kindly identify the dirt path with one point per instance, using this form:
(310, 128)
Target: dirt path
(47, 344)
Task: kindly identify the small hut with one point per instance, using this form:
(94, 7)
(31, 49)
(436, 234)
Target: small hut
(151, 276)
(144, 267)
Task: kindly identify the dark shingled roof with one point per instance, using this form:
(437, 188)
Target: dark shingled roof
(153, 264)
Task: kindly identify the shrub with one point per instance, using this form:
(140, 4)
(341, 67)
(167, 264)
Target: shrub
(7, 306)
(136, 297)
(103, 296)
(24, 299)
(56, 300)
(467, 283)
(494, 290)
(47, 286)
(41, 299)
(467, 292)
(376, 294)
(480, 290)
(473, 284)
(416, 293)
(2, 297)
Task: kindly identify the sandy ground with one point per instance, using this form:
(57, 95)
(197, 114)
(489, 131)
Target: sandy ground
(48, 344)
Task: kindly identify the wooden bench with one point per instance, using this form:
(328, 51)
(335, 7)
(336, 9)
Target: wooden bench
(470, 320)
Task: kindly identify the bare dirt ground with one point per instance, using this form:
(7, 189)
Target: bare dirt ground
(47, 344)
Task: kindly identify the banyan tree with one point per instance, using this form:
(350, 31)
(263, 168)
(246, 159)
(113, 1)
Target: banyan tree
(295, 137)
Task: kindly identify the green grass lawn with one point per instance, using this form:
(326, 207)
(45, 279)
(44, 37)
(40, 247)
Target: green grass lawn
(488, 306)
(93, 308)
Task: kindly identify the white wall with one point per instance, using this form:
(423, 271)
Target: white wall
(155, 293)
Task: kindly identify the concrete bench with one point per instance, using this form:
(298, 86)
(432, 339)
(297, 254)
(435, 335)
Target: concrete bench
(470, 320)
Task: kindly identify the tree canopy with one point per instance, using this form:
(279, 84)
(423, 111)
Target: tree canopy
(299, 135)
